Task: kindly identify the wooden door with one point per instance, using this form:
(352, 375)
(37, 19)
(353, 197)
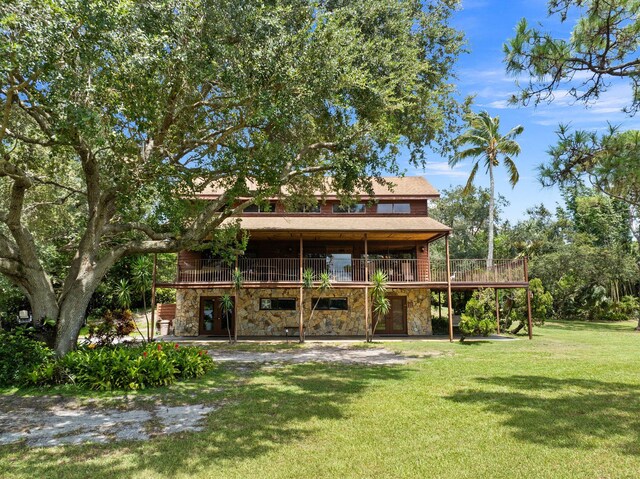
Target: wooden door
(213, 320)
(395, 321)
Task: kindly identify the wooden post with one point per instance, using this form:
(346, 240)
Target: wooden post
(301, 325)
(153, 295)
(529, 319)
(497, 311)
(235, 307)
(526, 278)
(449, 301)
(439, 304)
(366, 288)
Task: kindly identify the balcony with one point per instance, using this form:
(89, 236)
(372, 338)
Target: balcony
(286, 271)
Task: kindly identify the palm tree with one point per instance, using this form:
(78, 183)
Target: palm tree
(486, 142)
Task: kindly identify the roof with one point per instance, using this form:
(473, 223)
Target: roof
(405, 187)
(364, 224)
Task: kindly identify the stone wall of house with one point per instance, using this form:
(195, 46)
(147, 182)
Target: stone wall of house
(252, 321)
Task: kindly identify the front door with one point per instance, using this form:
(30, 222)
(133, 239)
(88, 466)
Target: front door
(214, 319)
(395, 321)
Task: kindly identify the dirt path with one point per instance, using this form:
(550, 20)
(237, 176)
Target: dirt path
(323, 354)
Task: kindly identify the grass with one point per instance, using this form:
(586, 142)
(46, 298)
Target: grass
(565, 405)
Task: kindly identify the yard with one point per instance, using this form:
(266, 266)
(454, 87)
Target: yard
(566, 404)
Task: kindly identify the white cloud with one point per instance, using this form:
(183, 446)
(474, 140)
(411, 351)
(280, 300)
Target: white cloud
(442, 168)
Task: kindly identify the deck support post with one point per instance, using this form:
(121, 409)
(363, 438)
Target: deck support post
(235, 308)
(497, 311)
(449, 300)
(528, 291)
(366, 288)
(301, 325)
(439, 304)
(153, 295)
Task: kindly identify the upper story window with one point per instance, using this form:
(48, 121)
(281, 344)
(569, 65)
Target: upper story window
(357, 208)
(394, 208)
(306, 208)
(264, 208)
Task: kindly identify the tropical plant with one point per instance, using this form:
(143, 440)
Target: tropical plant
(123, 367)
(488, 144)
(324, 285)
(111, 326)
(123, 293)
(380, 304)
(227, 305)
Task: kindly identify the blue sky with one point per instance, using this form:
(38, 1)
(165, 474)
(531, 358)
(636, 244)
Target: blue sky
(487, 24)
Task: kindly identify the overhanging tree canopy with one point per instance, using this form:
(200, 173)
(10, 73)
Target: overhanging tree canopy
(603, 45)
(114, 113)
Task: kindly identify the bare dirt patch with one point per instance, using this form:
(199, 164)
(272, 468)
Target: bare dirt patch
(45, 422)
(322, 354)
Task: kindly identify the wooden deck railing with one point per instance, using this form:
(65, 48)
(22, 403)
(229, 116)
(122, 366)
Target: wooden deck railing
(287, 270)
(476, 271)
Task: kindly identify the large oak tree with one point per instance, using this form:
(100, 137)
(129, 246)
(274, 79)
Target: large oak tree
(114, 113)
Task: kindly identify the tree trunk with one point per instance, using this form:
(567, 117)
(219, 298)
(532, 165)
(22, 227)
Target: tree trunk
(492, 187)
(73, 308)
(72, 312)
(518, 328)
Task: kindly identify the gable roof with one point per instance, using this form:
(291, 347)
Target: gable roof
(414, 187)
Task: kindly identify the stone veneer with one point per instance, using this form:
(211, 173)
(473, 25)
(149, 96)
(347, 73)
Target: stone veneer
(251, 321)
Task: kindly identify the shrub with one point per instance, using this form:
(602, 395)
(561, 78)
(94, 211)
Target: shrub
(478, 318)
(165, 295)
(19, 354)
(439, 325)
(122, 367)
(112, 325)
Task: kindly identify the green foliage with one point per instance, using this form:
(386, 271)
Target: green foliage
(123, 293)
(112, 325)
(468, 216)
(308, 277)
(380, 304)
(237, 279)
(603, 44)
(20, 354)
(479, 316)
(122, 367)
(165, 295)
(515, 307)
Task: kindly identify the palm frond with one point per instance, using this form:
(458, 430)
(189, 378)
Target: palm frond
(514, 175)
(472, 176)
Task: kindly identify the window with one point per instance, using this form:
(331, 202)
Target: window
(390, 208)
(265, 208)
(278, 304)
(357, 208)
(331, 304)
(306, 208)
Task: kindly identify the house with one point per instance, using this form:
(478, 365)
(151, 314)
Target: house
(391, 232)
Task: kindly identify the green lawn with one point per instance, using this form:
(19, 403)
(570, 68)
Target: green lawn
(566, 404)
